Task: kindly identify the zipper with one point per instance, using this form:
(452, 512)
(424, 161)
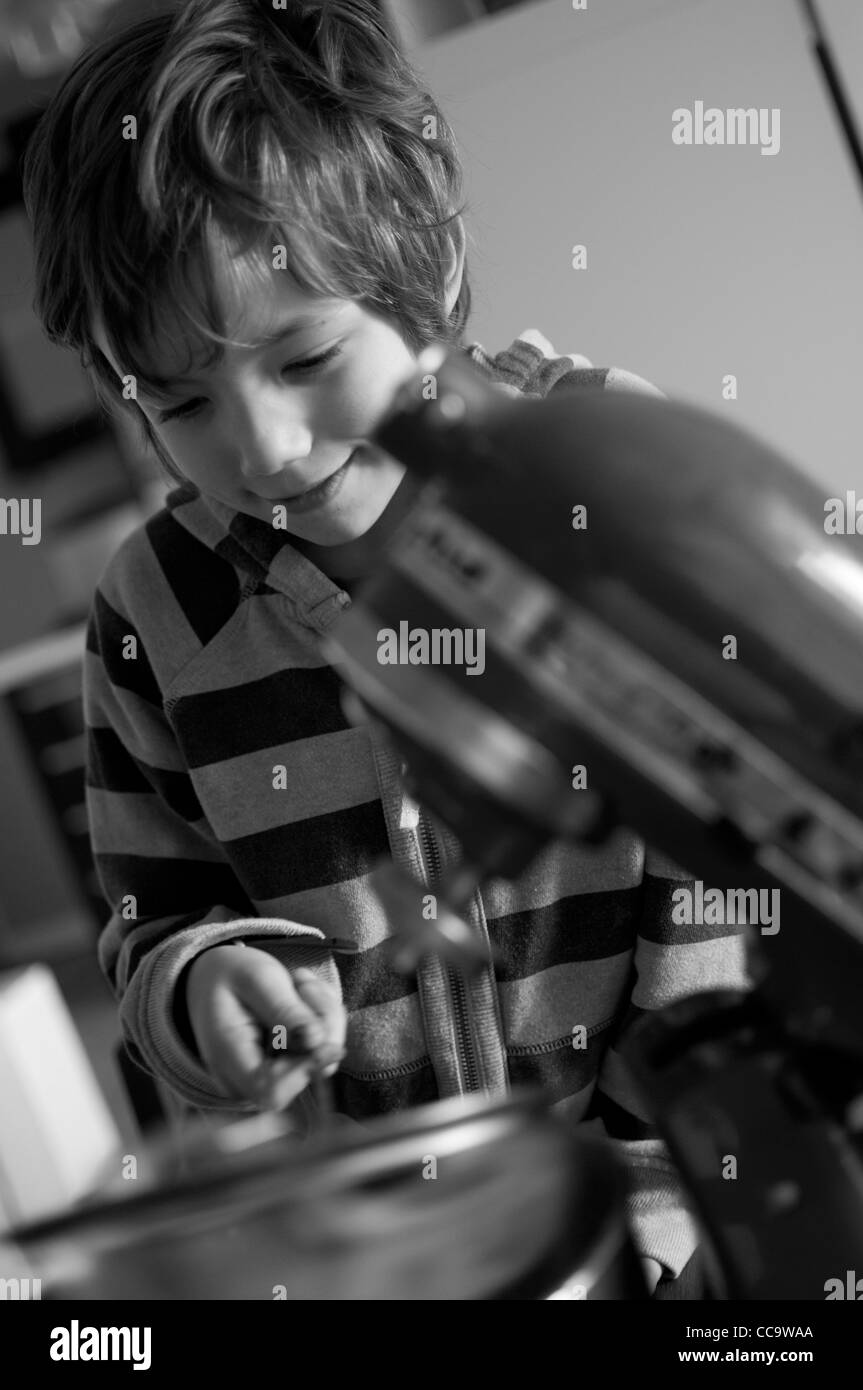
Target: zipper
(455, 981)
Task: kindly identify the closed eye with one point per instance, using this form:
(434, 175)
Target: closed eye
(307, 367)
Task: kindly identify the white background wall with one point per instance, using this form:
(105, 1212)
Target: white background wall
(702, 260)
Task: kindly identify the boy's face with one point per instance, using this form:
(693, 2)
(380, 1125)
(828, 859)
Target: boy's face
(266, 423)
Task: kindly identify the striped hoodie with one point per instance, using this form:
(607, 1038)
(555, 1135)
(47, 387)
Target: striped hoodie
(229, 799)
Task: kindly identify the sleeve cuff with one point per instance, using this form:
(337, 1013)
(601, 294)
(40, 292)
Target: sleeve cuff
(662, 1226)
(147, 1010)
(668, 1235)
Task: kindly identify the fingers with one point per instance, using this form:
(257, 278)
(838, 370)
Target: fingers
(280, 1080)
(329, 1009)
(244, 1011)
(303, 1018)
(261, 1033)
(230, 1042)
(293, 1023)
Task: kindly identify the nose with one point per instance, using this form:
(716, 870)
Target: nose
(271, 439)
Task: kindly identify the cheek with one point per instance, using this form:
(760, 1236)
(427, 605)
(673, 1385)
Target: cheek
(194, 460)
(379, 371)
(349, 404)
(172, 446)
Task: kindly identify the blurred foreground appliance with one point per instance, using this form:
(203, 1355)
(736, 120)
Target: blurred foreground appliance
(608, 549)
(614, 552)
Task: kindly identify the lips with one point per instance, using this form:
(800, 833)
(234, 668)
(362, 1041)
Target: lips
(319, 495)
(278, 495)
(309, 494)
(295, 496)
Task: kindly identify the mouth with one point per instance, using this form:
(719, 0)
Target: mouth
(318, 495)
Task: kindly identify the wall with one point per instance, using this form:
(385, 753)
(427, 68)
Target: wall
(702, 260)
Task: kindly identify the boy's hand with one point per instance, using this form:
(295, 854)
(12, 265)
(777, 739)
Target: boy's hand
(236, 997)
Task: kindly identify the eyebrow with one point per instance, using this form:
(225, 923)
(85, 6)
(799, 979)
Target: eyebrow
(159, 388)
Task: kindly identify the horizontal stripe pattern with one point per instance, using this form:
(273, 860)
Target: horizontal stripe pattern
(669, 971)
(111, 768)
(556, 1065)
(385, 1037)
(229, 797)
(164, 838)
(115, 640)
(161, 886)
(586, 927)
(243, 718)
(363, 1097)
(579, 994)
(333, 770)
(559, 872)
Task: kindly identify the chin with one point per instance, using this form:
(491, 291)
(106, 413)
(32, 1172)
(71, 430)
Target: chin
(348, 525)
(336, 530)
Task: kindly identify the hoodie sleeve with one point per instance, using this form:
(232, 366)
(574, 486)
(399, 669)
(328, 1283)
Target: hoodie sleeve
(671, 962)
(552, 371)
(171, 891)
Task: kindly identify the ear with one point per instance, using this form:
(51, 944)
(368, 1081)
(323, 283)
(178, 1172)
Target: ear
(455, 267)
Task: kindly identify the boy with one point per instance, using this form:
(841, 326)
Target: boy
(245, 222)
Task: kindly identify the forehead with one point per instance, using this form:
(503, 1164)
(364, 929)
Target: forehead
(244, 302)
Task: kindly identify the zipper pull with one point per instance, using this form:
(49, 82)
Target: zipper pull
(326, 943)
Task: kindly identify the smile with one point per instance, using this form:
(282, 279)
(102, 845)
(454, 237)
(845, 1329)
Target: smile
(318, 495)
